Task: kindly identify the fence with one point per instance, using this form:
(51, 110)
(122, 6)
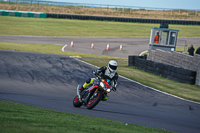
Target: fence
(100, 9)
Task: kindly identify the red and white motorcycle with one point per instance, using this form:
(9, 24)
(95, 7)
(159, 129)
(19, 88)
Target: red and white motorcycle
(92, 95)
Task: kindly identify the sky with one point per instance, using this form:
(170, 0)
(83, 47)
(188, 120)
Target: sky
(172, 4)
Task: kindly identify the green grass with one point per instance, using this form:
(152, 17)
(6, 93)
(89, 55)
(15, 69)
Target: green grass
(18, 118)
(190, 92)
(67, 27)
(46, 48)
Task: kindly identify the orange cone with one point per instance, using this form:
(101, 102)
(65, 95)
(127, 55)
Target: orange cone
(120, 48)
(107, 47)
(72, 44)
(92, 46)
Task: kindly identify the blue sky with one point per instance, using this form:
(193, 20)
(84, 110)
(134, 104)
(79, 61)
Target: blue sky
(175, 4)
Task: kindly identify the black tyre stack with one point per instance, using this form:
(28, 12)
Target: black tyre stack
(170, 72)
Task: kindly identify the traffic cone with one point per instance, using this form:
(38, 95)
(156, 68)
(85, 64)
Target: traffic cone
(72, 44)
(92, 46)
(120, 48)
(107, 47)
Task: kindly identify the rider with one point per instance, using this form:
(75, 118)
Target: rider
(106, 72)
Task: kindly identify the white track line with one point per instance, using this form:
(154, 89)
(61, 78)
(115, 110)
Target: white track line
(63, 48)
(143, 52)
(140, 83)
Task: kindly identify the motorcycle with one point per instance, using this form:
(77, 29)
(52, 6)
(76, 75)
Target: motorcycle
(93, 94)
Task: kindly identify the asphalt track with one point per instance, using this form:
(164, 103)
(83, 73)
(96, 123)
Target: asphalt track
(49, 81)
(130, 45)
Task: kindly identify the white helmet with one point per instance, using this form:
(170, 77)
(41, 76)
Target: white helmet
(112, 65)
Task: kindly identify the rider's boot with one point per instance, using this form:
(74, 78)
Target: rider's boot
(81, 90)
(88, 82)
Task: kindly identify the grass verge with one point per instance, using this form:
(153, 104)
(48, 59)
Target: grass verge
(68, 27)
(187, 91)
(15, 118)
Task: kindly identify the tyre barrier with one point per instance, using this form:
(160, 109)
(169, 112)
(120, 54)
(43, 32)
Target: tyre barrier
(99, 18)
(122, 19)
(23, 14)
(169, 72)
(131, 60)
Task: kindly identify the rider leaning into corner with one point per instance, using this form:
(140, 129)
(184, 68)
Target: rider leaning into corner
(106, 72)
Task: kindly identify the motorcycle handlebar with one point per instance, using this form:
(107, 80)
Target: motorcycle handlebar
(97, 74)
(99, 77)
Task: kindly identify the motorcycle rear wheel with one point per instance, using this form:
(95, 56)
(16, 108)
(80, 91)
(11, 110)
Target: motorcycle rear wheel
(94, 100)
(76, 102)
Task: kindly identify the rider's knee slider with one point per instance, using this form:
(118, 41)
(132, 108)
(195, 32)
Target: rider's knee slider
(88, 80)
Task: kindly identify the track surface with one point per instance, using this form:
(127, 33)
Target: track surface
(49, 81)
(131, 45)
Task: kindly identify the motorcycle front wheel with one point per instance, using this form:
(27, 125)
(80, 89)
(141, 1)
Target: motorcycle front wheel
(76, 102)
(94, 100)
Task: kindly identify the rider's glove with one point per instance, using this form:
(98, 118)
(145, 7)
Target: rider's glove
(97, 73)
(94, 72)
(114, 89)
(100, 74)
